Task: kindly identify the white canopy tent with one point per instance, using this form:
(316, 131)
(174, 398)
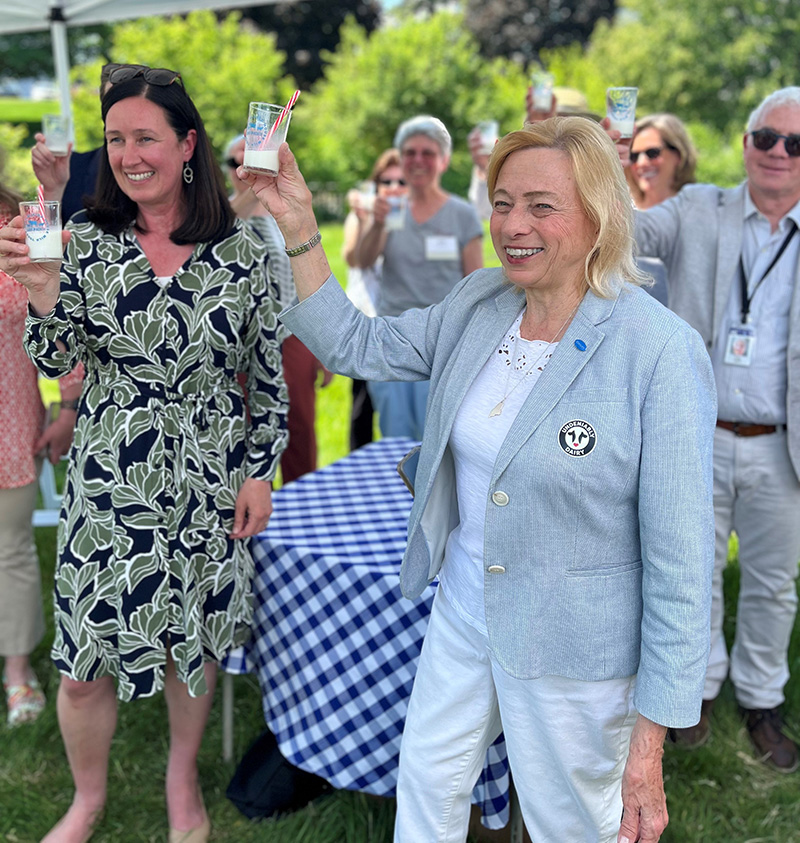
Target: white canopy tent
(57, 15)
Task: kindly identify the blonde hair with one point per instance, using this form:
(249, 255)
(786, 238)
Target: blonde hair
(675, 137)
(602, 191)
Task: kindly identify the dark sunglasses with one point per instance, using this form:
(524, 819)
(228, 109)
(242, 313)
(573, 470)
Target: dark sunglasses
(152, 75)
(392, 182)
(651, 154)
(765, 139)
(232, 162)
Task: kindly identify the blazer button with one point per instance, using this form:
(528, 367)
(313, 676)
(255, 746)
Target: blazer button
(496, 569)
(500, 498)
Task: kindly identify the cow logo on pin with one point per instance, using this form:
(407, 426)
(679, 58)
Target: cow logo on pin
(577, 438)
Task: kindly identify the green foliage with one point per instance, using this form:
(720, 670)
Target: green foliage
(372, 84)
(710, 62)
(17, 173)
(304, 28)
(14, 110)
(707, 61)
(224, 66)
(719, 155)
(30, 54)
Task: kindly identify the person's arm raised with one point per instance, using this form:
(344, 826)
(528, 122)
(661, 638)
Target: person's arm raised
(287, 197)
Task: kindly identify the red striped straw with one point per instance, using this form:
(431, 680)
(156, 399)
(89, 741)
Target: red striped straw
(281, 117)
(40, 194)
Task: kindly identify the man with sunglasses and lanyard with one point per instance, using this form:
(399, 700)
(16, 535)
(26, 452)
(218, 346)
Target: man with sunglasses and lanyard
(732, 259)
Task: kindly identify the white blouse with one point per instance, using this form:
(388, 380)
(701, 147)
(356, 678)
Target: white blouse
(509, 376)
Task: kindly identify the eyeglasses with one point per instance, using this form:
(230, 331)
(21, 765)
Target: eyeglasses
(765, 139)
(152, 75)
(232, 162)
(392, 182)
(427, 154)
(651, 154)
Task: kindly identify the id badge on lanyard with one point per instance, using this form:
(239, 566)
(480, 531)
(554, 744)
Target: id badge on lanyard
(740, 345)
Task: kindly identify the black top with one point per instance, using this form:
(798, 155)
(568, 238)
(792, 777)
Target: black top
(83, 167)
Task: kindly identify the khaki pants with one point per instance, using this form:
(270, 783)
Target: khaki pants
(21, 617)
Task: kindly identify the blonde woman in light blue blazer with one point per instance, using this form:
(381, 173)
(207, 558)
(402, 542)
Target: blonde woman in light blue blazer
(563, 497)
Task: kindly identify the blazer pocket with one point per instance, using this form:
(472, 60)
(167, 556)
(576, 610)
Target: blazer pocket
(597, 394)
(606, 570)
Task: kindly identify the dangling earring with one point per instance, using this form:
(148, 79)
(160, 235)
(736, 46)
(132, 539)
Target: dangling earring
(188, 173)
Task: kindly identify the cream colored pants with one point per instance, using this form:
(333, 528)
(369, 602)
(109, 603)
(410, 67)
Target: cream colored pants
(21, 618)
(567, 742)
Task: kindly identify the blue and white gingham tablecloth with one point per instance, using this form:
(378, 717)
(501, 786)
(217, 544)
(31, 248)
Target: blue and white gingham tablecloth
(335, 644)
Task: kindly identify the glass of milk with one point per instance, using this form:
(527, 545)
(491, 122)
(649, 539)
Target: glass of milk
(621, 109)
(55, 129)
(542, 90)
(263, 137)
(42, 230)
(490, 131)
(395, 219)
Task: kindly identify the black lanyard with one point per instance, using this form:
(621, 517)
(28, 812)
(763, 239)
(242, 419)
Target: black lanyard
(747, 299)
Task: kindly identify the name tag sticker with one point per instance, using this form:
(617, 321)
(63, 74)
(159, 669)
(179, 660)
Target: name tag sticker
(740, 345)
(441, 248)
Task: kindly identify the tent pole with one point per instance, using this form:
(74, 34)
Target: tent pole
(58, 34)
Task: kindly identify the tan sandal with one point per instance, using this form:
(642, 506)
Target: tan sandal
(193, 835)
(25, 702)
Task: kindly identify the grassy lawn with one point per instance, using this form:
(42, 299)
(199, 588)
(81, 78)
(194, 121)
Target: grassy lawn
(718, 794)
(14, 110)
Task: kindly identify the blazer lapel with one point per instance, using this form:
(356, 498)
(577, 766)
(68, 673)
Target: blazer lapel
(565, 365)
(729, 251)
(485, 329)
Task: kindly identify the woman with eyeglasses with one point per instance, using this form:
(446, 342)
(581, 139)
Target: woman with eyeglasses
(165, 297)
(363, 286)
(428, 245)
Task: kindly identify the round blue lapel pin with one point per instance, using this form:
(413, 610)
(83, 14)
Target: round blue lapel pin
(580, 345)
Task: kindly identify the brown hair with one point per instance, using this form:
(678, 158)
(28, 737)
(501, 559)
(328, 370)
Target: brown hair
(208, 214)
(602, 192)
(388, 158)
(675, 137)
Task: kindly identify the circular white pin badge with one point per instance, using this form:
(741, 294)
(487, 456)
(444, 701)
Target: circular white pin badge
(577, 438)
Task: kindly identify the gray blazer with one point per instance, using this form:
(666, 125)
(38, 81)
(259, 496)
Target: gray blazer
(698, 235)
(607, 557)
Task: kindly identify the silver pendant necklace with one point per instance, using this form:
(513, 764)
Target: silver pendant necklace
(498, 408)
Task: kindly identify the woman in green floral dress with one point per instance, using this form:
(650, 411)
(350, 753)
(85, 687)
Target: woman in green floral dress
(165, 298)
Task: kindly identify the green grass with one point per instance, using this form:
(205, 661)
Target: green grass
(717, 794)
(14, 110)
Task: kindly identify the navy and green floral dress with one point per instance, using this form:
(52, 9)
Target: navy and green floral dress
(162, 446)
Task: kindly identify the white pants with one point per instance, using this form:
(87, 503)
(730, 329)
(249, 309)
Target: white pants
(567, 742)
(757, 494)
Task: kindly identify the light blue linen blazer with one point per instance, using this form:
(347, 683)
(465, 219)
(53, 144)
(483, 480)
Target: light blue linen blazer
(607, 557)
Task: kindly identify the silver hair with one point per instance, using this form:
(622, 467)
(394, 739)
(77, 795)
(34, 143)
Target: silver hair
(783, 96)
(424, 124)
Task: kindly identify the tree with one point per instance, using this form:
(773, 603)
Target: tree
(709, 61)
(372, 84)
(519, 29)
(30, 54)
(223, 65)
(305, 28)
